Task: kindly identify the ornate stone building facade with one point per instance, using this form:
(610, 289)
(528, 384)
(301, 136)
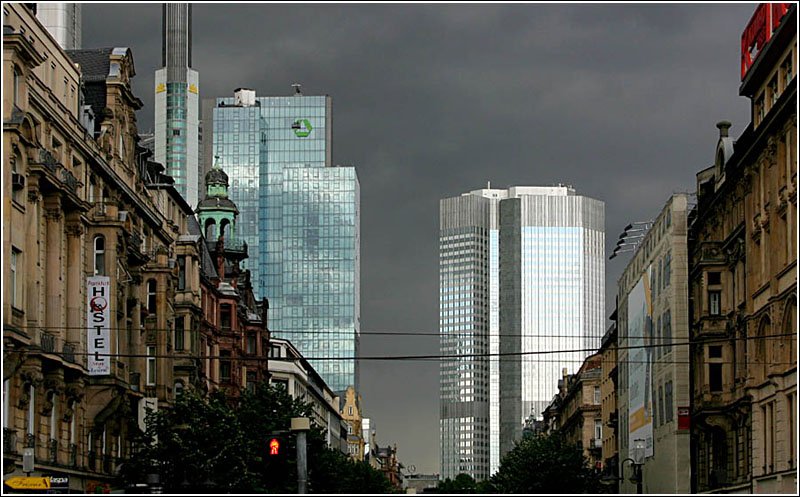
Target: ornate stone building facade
(352, 415)
(743, 285)
(82, 219)
(94, 232)
(608, 402)
(575, 410)
(233, 332)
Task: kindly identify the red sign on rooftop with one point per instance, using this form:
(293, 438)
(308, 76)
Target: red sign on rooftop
(759, 30)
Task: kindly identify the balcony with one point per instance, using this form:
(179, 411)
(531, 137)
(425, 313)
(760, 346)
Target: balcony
(68, 352)
(612, 420)
(54, 172)
(135, 381)
(47, 342)
(710, 327)
(136, 254)
(233, 247)
(709, 253)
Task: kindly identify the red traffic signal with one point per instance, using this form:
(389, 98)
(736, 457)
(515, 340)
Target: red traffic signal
(274, 446)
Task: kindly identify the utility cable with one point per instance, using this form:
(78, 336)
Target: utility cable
(442, 357)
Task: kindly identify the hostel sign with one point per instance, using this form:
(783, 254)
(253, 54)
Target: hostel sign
(98, 319)
(759, 30)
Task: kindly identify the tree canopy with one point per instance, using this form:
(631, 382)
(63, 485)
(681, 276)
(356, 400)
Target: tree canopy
(208, 444)
(545, 464)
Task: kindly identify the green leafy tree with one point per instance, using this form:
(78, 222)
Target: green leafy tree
(545, 465)
(208, 445)
(330, 471)
(192, 447)
(461, 484)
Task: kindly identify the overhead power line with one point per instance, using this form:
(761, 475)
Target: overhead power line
(444, 357)
(459, 334)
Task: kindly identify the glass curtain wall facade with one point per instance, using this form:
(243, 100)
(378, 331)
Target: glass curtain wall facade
(301, 217)
(521, 273)
(177, 125)
(467, 232)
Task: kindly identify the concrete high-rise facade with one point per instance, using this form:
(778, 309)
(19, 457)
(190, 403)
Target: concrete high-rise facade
(63, 22)
(522, 274)
(301, 217)
(177, 102)
(652, 395)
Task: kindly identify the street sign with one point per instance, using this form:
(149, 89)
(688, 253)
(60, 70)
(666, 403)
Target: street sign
(37, 482)
(29, 482)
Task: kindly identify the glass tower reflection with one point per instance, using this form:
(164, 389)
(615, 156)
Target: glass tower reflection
(521, 273)
(301, 217)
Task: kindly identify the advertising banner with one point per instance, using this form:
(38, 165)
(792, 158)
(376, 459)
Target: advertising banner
(759, 30)
(98, 320)
(640, 366)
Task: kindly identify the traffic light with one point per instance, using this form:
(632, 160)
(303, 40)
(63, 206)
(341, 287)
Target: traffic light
(275, 446)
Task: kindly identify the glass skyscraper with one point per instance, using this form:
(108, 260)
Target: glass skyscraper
(521, 273)
(177, 139)
(300, 216)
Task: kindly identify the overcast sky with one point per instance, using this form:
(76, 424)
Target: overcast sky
(430, 101)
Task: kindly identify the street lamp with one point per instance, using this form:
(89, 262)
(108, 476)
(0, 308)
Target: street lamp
(636, 463)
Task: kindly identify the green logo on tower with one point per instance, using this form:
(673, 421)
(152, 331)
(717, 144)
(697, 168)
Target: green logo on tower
(302, 128)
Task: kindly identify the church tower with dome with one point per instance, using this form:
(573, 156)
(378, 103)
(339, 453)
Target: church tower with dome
(216, 212)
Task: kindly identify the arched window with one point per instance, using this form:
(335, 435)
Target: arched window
(151, 296)
(223, 225)
(761, 359)
(719, 458)
(17, 86)
(90, 190)
(99, 255)
(211, 230)
(179, 388)
(789, 328)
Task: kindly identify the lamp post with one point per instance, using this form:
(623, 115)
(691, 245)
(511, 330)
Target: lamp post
(636, 477)
(301, 426)
(637, 461)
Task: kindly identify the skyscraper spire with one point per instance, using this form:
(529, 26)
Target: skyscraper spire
(63, 21)
(177, 102)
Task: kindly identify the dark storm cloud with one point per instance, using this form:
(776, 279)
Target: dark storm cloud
(430, 101)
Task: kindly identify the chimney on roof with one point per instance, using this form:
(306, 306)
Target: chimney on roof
(723, 128)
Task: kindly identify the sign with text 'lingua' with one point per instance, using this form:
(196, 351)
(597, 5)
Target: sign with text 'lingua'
(98, 320)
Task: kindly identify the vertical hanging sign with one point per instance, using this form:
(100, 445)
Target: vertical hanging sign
(98, 296)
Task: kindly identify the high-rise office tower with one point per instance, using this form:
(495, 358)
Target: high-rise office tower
(300, 218)
(177, 101)
(63, 21)
(521, 274)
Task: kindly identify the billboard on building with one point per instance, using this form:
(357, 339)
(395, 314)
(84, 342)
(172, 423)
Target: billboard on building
(759, 30)
(98, 320)
(640, 366)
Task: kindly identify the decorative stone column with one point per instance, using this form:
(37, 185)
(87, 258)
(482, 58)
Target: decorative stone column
(74, 268)
(33, 310)
(53, 266)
